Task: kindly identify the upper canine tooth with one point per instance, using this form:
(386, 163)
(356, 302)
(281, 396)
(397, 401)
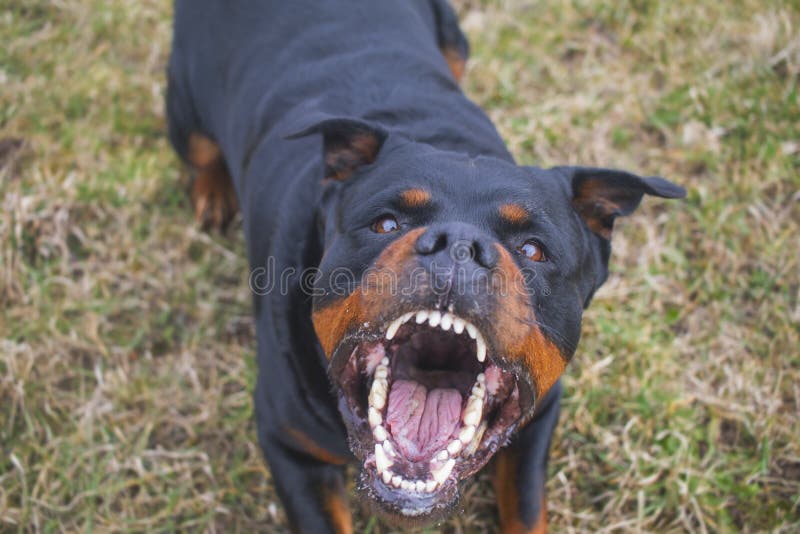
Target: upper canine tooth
(441, 474)
(434, 318)
(458, 325)
(387, 476)
(392, 330)
(447, 321)
(422, 316)
(481, 348)
(381, 460)
(471, 330)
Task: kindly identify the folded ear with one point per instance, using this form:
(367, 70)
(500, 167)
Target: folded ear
(346, 144)
(601, 195)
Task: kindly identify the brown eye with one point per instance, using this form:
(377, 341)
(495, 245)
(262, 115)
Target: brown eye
(385, 224)
(532, 250)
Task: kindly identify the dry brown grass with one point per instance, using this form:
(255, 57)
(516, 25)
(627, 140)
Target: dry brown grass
(126, 344)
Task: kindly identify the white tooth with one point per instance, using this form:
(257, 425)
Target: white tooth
(472, 418)
(387, 446)
(381, 372)
(473, 445)
(458, 325)
(454, 447)
(420, 486)
(407, 485)
(441, 474)
(397, 481)
(375, 417)
(479, 390)
(408, 316)
(392, 330)
(377, 395)
(471, 330)
(430, 486)
(385, 361)
(466, 434)
(434, 318)
(442, 456)
(481, 350)
(422, 316)
(381, 460)
(447, 321)
(386, 476)
(380, 433)
(481, 378)
(472, 415)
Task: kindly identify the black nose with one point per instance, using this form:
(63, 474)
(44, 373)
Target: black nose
(458, 243)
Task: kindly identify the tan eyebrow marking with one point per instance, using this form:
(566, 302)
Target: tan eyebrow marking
(513, 213)
(415, 198)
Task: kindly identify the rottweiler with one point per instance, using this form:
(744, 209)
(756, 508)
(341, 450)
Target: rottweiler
(416, 293)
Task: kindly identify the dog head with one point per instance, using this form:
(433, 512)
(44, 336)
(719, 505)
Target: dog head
(449, 299)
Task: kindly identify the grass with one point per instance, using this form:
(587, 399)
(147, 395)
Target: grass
(126, 345)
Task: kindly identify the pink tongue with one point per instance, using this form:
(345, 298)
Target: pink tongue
(421, 421)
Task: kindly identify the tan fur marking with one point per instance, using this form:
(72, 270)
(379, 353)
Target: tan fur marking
(513, 213)
(455, 61)
(507, 494)
(415, 198)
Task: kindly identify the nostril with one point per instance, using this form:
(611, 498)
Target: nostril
(485, 254)
(431, 242)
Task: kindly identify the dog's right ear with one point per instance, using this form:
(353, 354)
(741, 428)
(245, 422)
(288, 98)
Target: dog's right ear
(347, 144)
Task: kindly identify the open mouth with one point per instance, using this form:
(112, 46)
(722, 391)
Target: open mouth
(428, 404)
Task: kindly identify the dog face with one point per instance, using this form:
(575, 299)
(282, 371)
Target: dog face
(449, 299)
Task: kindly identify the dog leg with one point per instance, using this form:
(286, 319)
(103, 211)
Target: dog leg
(521, 471)
(212, 193)
(312, 491)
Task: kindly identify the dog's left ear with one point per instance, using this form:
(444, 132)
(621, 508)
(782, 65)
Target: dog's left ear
(347, 144)
(602, 195)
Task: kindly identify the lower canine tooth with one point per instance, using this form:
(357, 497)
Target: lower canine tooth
(441, 474)
(381, 460)
(443, 456)
(386, 476)
(473, 445)
(430, 486)
(397, 481)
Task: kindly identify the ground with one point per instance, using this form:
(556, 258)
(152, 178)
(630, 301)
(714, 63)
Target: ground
(126, 344)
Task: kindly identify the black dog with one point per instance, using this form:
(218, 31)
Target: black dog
(449, 282)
